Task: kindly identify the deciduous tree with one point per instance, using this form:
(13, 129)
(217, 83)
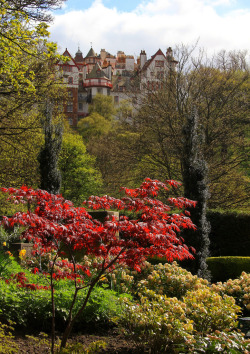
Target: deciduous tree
(80, 177)
(55, 225)
(34, 9)
(219, 88)
(27, 72)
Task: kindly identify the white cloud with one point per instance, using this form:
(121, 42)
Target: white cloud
(152, 25)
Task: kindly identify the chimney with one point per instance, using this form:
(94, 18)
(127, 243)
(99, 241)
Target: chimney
(143, 58)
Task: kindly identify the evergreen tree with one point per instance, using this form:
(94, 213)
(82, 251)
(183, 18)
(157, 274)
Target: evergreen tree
(49, 154)
(195, 182)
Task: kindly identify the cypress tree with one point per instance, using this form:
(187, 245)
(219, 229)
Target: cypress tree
(195, 172)
(49, 154)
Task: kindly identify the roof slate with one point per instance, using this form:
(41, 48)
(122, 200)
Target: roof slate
(91, 53)
(96, 73)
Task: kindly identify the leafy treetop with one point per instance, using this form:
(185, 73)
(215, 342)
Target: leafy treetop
(55, 223)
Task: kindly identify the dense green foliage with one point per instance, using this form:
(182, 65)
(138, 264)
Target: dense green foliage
(229, 233)
(169, 309)
(32, 309)
(80, 177)
(178, 312)
(224, 268)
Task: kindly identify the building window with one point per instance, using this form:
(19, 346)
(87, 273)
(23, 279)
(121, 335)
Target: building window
(67, 68)
(70, 107)
(80, 106)
(160, 75)
(70, 120)
(70, 80)
(159, 63)
(99, 89)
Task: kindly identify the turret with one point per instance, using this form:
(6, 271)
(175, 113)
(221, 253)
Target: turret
(78, 56)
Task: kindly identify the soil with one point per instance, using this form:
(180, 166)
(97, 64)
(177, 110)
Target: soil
(116, 343)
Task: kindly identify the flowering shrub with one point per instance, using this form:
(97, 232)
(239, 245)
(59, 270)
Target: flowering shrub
(168, 279)
(209, 311)
(238, 288)
(199, 310)
(171, 280)
(157, 322)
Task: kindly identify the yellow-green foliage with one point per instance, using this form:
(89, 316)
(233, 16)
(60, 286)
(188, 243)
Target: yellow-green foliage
(238, 288)
(6, 339)
(171, 280)
(209, 311)
(168, 279)
(174, 306)
(157, 321)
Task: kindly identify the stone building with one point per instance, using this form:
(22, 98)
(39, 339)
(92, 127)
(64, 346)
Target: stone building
(120, 76)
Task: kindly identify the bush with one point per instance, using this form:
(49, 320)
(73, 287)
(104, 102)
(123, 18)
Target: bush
(224, 268)
(238, 288)
(229, 233)
(6, 339)
(221, 342)
(8, 237)
(170, 280)
(157, 322)
(158, 315)
(210, 312)
(33, 308)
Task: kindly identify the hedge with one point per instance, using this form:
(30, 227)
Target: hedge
(224, 268)
(230, 235)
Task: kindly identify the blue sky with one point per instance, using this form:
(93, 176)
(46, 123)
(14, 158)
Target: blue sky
(129, 5)
(132, 25)
(122, 5)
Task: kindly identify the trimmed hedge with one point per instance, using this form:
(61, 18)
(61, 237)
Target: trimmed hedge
(224, 268)
(230, 235)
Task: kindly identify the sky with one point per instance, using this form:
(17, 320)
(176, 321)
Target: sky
(133, 25)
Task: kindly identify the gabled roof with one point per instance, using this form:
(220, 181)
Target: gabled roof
(96, 73)
(67, 54)
(148, 62)
(91, 53)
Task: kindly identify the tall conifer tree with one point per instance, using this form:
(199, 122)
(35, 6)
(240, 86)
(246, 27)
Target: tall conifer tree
(49, 154)
(195, 172)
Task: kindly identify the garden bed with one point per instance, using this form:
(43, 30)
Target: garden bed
(116, 343)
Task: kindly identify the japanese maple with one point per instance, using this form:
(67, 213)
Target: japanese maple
(56, 227)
